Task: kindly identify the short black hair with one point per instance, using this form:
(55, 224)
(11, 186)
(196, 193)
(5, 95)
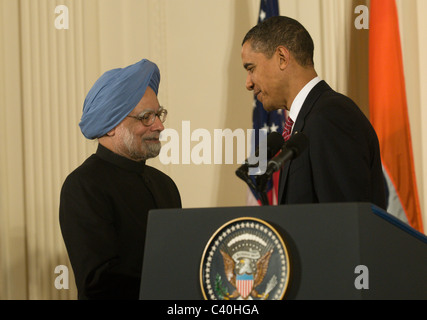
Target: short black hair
(277, 31)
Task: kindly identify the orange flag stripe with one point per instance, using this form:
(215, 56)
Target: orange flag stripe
(388, 105)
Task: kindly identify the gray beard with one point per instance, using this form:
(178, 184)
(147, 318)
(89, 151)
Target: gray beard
(148, 151)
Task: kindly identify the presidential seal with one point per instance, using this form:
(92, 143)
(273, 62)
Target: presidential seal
(246, 259)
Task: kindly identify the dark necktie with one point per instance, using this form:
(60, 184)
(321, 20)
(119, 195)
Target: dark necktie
(288, 128)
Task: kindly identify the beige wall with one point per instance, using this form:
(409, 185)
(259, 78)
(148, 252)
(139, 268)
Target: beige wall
(46, 73)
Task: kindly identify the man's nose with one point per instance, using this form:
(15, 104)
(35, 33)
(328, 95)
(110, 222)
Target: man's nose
(157, 125)
(249, 84)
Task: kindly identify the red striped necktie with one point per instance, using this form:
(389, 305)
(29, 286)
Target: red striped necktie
(288, 129)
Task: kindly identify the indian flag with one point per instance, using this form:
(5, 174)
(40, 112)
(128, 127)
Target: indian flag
(389, 112)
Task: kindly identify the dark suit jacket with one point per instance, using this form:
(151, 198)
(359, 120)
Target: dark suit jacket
(342, 162)
(103, 217)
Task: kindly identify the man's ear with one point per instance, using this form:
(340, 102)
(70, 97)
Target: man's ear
(111, 133)
(284, 56)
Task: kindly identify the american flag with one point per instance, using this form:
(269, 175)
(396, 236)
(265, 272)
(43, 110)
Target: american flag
(268, 121)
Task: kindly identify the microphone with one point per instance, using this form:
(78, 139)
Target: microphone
(292, 149)
(275, 141)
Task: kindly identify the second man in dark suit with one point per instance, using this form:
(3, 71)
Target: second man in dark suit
(342, 162)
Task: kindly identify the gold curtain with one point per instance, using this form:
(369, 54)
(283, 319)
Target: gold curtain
(46, 73)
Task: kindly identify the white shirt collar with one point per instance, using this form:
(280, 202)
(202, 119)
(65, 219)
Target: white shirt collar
(300, 98)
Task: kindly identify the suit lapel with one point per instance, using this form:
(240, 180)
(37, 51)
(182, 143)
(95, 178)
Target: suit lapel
(307, 106)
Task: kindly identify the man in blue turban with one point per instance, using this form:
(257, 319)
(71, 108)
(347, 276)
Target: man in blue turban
(105, 201)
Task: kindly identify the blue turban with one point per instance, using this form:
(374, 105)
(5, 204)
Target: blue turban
(114, 95)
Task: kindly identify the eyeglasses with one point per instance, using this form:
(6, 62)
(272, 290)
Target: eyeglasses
(148, 117)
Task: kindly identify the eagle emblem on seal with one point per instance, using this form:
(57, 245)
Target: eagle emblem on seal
(246, 259)
(242, 275)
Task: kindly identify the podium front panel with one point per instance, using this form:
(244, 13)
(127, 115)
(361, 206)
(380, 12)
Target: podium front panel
(325, 242)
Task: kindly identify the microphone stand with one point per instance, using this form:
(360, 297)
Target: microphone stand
(292, 148)
(264, 198)
(261, 183)
(261, 188)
